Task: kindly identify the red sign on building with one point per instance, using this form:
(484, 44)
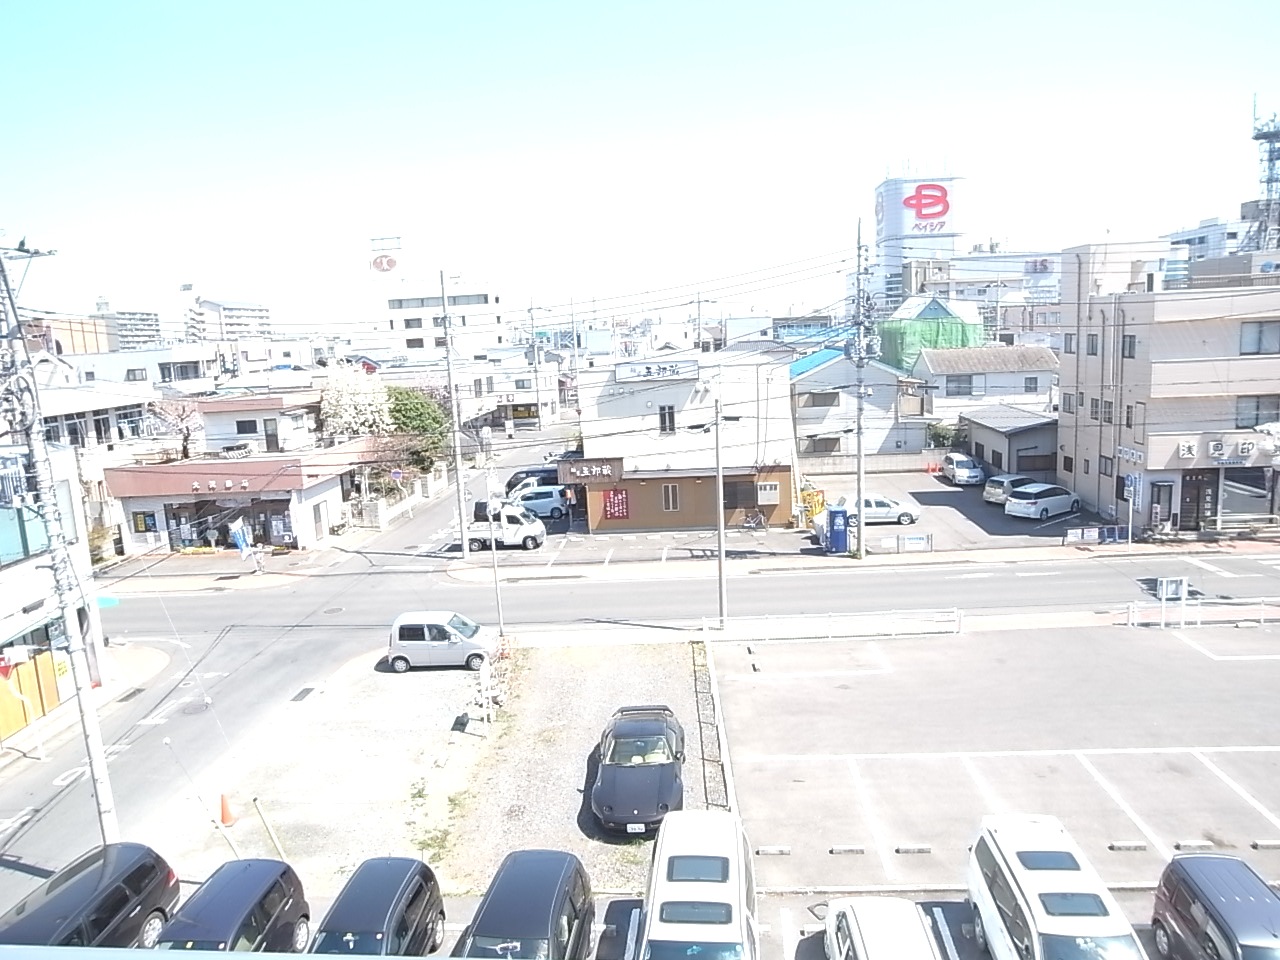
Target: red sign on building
(615, 505)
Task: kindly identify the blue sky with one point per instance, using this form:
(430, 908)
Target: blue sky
(634, 154)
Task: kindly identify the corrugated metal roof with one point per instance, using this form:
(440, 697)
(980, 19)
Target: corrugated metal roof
(989, 360)
(1009, 419)
(814, 360)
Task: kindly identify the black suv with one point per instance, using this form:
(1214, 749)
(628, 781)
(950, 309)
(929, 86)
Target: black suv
(1214, 907)
(390, 906)
(252, 905)
(547, 476)
(118, 895)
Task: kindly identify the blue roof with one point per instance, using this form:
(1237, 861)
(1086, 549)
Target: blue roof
(814, 360)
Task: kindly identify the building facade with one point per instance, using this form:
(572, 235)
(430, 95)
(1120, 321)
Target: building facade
(1169, 386)
(655, 421)
(961, 379)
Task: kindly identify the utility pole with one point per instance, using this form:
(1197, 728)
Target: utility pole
(456, 403)
(720, 577)
(860, 349)
(20, 414)
(537, 378)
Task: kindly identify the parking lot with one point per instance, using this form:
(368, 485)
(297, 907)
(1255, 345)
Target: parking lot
(868, 764)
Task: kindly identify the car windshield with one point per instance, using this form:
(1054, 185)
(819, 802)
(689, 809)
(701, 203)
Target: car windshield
(513, 947)
(1057, 947)
(964, 464)
(191, 945)
(464, 627)
(636, 751)
(1259, 953)
(527, 516)
(334, 941)
(689, 950)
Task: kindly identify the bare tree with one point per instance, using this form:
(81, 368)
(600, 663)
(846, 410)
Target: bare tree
(179, 416)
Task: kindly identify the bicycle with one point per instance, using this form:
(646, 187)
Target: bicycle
(755, 521)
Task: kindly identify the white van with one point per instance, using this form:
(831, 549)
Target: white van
(549, 502)
(878, 928)
(439, 638)
(1035, 896)
(701, 900)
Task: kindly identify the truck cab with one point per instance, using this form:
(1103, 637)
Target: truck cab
(513, 526)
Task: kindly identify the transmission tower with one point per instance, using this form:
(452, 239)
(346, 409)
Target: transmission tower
(1265, 232)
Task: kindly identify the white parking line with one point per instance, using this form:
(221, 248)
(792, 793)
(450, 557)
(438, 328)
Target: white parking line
(1239, 791)
(664, 553)
(945, 931)
(1128, 811)
(991, 801)
(1042, 573)
(555, 556)
(1224, 657)
(790, 933)
(863, 803)
(607, 556)
(1007, 754)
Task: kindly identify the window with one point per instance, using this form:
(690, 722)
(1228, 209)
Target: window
(1095, 407)
(413, 633)
(1068, 343)
(768, 492)
(997, 459)
(414, 343)
(468, 299)
(700, 868)
(1108, 412)
(820, 445)
(524, 384)
(1091, 345)
(979, 451)
(739, 494)
(1086, 464)
(1106, 466)
(274, 899)
(1030, 384)
(1129, 346)
(89, 376)
(246, 426)
(666, 419)
(442, 341)
(1080, 401)
(1068, 464)
(1259, 336)
(477, 387)
(106, 912)
(960, 385)
(488, 384)
(414, 323)
(137, 373)
(1128, 415)
(829, 399)
(1068, 403)
(695, 911)
(671, 497)
(141, 877)
(437, 321)
(1251, 411)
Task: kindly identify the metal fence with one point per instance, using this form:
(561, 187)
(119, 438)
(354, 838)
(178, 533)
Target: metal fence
(834, 626)
(1202, 611)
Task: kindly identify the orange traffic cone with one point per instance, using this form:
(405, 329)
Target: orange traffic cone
(228, 818)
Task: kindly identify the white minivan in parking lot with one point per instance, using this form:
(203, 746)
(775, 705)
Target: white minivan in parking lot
(1041, 501)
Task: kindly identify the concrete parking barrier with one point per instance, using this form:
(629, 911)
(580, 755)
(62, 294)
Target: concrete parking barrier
(913, 848)
(1193, 845)
(755, 667)
(1127, 846)
(773, 851)
(847, 848)
(1265, 845)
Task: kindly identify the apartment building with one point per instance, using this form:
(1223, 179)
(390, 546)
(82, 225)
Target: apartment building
(228, 320)
(1169, 385)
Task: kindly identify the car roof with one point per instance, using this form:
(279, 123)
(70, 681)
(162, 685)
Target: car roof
(889, 925)
(1246, 903)
(368, 897)
(642, 720)
(217, 908)
(1006, 477)
(55, 905)
(1039, 487)
(520, 897)
(425, 616)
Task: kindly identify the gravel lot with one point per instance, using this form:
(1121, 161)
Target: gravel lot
(530, 786)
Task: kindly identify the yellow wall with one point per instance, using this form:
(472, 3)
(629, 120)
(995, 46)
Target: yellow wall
(34, 680)
(697, 499)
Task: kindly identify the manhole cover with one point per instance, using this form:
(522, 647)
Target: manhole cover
(200, 706)
(302, 694)
(332, 610)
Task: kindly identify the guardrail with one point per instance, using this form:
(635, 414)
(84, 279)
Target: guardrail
(1199, 611)
(835, 626)
(1257, 522)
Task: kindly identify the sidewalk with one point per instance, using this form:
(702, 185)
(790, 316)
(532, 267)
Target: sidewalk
(124, 668)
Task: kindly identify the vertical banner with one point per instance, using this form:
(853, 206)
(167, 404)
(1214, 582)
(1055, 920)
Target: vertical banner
(240, 537)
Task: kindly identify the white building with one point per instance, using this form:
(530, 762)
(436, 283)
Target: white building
(959, 380)
(228, 320)
(918, 218)
(136, 328)
(1213, 238)
(32, 628)
(412, 330)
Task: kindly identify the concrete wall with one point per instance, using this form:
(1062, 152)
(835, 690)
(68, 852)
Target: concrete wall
(696, 502)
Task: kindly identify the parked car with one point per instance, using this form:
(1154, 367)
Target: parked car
(1211, 906)
(245, 905)
(545, 475)
(877, 928)
(439, 638)
(391, 906)
(639, 778)
(538, 907)
(119, 895)
(1041, 501)
(513, 526)
(997, 489)
(542, 501)
(887, 510)
(962, 469)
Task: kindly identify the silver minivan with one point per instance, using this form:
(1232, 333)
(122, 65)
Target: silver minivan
(997, 489)
(439, 638)
(962, 469)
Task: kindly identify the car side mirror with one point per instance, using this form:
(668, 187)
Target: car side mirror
(680, 755)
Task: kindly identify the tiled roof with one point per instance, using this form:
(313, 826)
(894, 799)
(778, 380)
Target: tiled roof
(989, 360)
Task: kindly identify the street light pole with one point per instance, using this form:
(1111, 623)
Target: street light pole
(723, 586)
(493, 509)
(861, 349)
(537, 376)
(456, 403)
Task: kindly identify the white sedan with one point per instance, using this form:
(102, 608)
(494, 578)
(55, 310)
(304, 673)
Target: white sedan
(885, 510)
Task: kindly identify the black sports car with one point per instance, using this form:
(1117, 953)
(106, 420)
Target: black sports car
(639, 776)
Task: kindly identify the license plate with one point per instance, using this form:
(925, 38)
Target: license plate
(635, 828)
